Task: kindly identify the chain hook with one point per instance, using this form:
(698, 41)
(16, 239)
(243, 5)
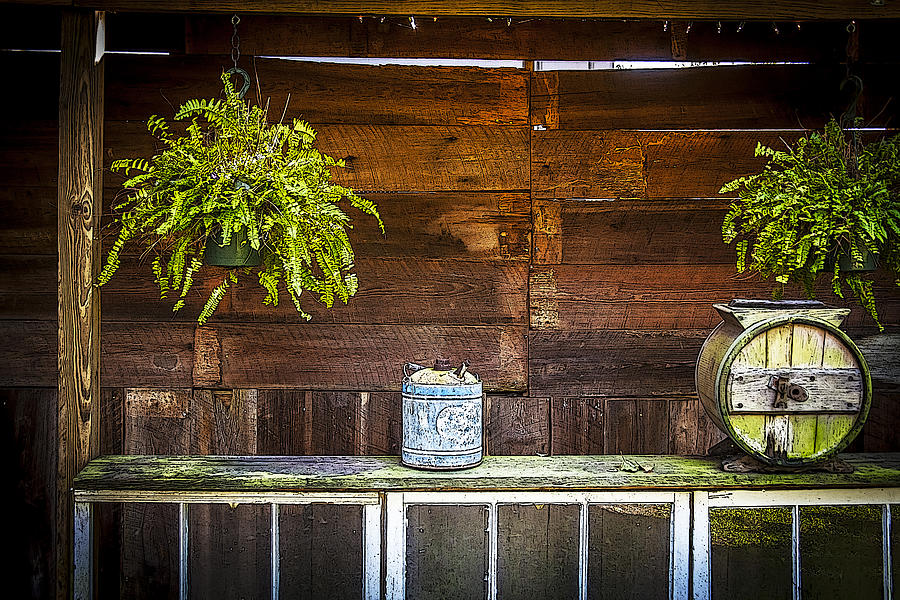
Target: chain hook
(236, 54)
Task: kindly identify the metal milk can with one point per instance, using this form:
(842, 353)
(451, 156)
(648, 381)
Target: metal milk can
(442, 409)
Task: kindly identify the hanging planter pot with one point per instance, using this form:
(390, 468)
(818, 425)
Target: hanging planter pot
(867, 262)
(237, 253)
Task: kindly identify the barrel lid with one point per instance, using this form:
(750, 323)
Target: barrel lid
(443, 373)
(745, 312)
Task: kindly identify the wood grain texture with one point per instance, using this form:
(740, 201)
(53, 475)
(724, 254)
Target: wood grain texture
(613, 363)
(634, 232)
(324, 93)
(29, 443)
(578, 425)
(691, 431)
(328, 357)
(109, 516)
(528, 39)
(292, 422)
(517, 425)
(392, 158)
(619, 9)
(643, 164)
(79, 197)
(121, 474)
(636, 426)
(766, 96)
(156, 422)
(662, 297)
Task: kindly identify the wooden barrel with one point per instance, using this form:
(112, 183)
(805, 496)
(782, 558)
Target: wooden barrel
(783, 381)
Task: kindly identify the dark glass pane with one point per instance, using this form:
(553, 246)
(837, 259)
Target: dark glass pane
(628, 551)
(149, 551)
(750, 553)
(321, 551)
(840, 552)
(446, 552)
(229, 554)
(537, 551)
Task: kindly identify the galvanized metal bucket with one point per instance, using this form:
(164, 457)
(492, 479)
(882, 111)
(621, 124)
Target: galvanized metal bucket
(442, 412)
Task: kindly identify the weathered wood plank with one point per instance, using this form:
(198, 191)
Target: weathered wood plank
(109, 516)
(393, 158)
(328, 357)
(406, 291)
(880, 433)
(691, 431)
(621, 424)
(763, 96)
(537, 551)
(658, 297)
(29, 440)
(30, 223)
(125, 474)
(139, 86)
(149, 354)
(669, 231)
(613, 363)
(529, 39)
(619, 9)
(830, 389)
(156, 422)
(80, 188)
(643, 164)
(577, 425)
(517, 425)
(293, 422)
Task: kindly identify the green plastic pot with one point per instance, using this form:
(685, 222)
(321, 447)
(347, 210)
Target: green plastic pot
(868, 263)
(238, 253)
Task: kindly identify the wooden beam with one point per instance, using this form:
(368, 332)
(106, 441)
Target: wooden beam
(79, 206)
(612, 9)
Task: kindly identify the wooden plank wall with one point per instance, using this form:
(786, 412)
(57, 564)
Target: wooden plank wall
(559, 229)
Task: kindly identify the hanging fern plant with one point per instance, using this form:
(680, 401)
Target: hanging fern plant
(825, 197)
(231, 172)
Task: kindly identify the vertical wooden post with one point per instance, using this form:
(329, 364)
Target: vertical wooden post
(80, 201)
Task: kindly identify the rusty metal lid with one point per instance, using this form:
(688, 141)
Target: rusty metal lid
(442, 364)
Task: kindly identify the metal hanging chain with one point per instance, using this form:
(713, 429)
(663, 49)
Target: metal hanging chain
(849, 119)
(236, 54)
(235, 41)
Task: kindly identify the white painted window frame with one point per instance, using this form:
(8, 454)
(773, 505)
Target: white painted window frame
(793, 499)
(396, 522)
(84, 567)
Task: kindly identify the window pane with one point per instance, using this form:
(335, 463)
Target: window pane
(321, 551)
(149, 551)
(446, 552)
(628, 551)
(537, 551)
(228, 551)
(840, 552)
(750, 553)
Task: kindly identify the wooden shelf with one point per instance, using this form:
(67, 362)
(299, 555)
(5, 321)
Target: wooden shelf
(127, 477)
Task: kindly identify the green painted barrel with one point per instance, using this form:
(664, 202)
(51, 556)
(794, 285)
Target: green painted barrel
(783, 381)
